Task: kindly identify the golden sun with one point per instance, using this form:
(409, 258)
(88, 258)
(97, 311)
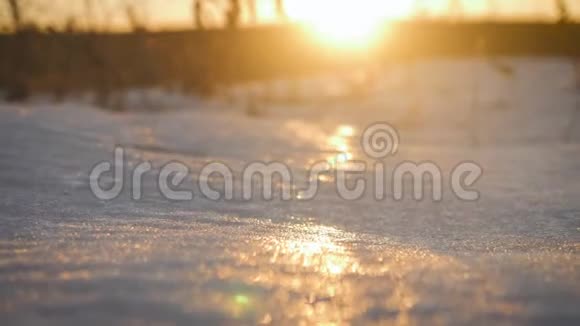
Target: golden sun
(345, 22)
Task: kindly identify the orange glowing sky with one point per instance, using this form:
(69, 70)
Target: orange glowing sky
(317, 9)
(362, 13)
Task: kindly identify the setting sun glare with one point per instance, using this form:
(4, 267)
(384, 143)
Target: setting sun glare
(347, 23)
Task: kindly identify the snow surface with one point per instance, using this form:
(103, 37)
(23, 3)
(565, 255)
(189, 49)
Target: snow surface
(510, 258)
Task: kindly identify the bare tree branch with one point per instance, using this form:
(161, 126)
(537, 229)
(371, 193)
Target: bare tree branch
(233, 15)
(15, 14)
(563, 11)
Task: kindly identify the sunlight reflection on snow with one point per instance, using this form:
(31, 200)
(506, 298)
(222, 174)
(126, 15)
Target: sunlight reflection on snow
(253, 271)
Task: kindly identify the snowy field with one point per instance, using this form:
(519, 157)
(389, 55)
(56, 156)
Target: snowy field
(513, 257)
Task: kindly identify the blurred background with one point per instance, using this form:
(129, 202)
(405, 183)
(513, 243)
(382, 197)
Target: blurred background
(204, 47)
(117, 15)
(422, 64)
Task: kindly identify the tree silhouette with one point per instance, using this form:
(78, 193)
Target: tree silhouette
(197, 11)
(15, 13)
(136, 14)
(133, 19)
(234, 14)
(563, 12)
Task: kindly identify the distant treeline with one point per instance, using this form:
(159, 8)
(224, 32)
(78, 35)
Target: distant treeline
(199, 61)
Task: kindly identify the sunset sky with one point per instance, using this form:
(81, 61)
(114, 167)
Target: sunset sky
(178, 13)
